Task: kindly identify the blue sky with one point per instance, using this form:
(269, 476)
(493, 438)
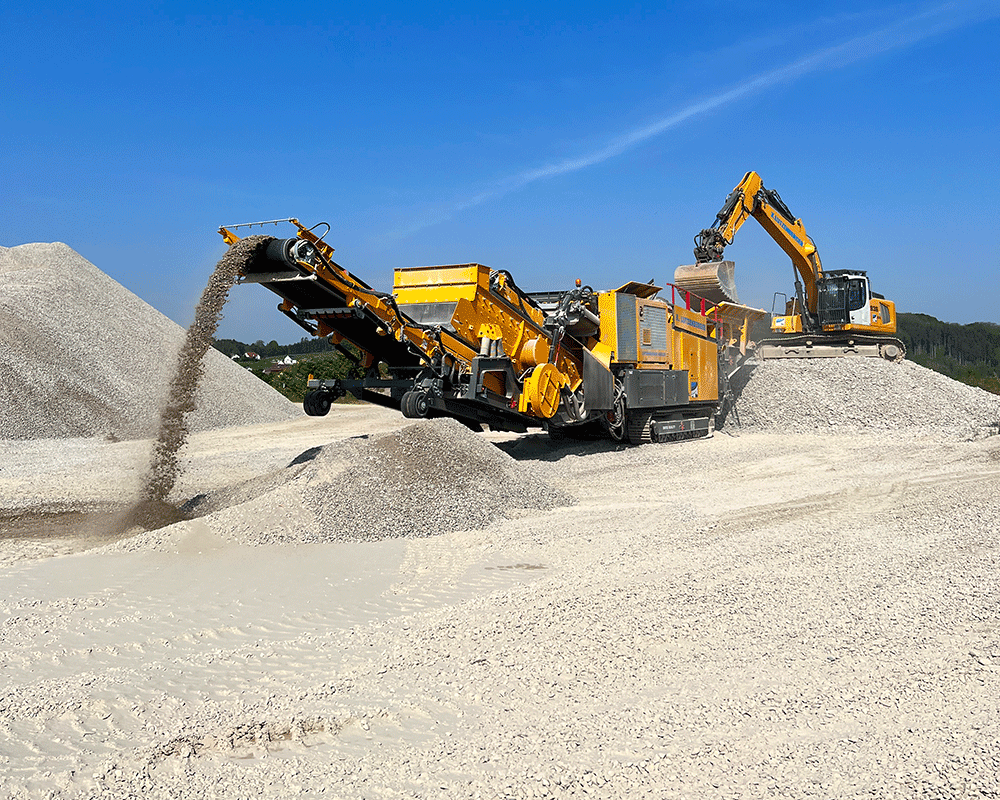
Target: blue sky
(550, 140)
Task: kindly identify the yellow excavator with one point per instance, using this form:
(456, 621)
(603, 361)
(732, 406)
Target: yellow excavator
(833, 313)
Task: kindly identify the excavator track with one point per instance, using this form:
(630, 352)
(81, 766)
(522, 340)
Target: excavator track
(832, 346)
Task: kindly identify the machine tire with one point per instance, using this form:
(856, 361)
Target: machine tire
(421, 406)
(415, 405)
(316, 403)
(405, 405)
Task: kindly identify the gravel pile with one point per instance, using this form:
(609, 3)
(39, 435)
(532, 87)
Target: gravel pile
(850, 395)
(429, 478)
(82, 356)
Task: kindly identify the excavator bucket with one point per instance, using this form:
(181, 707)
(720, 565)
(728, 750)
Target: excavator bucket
(713, 280)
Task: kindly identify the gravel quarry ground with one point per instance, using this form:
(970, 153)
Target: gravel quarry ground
(788, 609)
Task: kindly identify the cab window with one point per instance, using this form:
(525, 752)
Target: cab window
(856, 295)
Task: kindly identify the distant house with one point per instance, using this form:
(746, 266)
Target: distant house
(252, 356)
(235, 356)
(279, 365)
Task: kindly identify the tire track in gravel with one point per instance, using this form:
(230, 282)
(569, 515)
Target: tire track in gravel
(873, 499)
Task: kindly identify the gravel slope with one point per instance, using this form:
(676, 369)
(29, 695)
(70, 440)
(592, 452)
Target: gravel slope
(855, 395)
(762, 615)
(82, 356)
(425, 479)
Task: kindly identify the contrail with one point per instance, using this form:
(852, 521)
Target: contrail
(899, 35)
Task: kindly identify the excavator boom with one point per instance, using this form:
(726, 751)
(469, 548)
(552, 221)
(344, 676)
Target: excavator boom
(751, 198)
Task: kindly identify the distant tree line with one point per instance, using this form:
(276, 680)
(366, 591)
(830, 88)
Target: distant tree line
(307, 344)
(291, 381)
(316, 357)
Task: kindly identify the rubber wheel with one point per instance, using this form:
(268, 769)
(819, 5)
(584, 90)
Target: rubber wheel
(316, 404)
(421, 406)
(415, 405)
(405, 405)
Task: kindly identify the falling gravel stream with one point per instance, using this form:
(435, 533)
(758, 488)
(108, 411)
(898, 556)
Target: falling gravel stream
(152, 509)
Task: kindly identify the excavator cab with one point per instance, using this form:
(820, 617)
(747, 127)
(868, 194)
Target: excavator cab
(843, 298)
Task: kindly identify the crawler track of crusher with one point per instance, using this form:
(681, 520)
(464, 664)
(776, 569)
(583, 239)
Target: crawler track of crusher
(819, 346)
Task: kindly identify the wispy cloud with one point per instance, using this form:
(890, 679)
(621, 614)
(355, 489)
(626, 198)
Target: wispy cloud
(906, 32)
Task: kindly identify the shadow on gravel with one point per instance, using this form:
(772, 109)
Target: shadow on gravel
(308, 455)
(730, 405)
(544, 447)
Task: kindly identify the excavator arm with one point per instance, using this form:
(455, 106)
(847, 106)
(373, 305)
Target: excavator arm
(751, 199)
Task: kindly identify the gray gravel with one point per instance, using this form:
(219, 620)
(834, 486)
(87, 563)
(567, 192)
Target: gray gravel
(428, 478)
(853, 395)
(82, 356)
(755, 616)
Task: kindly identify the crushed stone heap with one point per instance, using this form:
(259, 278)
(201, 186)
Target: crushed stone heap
(428, 478)
(82, 356)
(850, 395)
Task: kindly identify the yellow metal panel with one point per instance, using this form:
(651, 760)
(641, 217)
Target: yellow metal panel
(602, 353)
(608, 334)
(437, 276)
(700, 358)
(883, 317)
(789, 323)
(437, 284)
(541, 394)
(690, 321)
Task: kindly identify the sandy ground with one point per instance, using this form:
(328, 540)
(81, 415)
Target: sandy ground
(753, 615)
